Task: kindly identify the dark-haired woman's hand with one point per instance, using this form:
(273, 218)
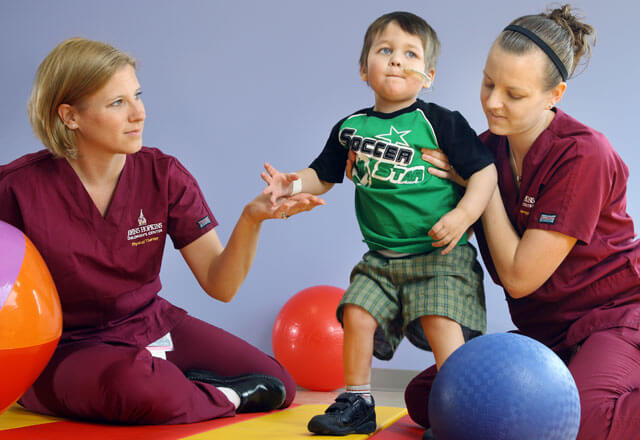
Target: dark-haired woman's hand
(351, 160)
(441, 166)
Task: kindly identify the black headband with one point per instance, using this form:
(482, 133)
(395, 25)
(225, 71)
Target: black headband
(542, 45)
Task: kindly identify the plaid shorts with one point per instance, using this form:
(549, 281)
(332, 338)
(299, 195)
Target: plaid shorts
(398, 291)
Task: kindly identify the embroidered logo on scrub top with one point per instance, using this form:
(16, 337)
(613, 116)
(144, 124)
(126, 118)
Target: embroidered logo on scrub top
(527, 204)
(204, 221)
(549, 219)
(144, 233)
(141, 220)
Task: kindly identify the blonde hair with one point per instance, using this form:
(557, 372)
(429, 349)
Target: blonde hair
(75, 69)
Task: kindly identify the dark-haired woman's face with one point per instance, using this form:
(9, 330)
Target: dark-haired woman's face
(512, 94)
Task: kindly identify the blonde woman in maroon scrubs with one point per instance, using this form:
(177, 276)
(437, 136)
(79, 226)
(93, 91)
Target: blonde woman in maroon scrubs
(556, 235)
(100, 207)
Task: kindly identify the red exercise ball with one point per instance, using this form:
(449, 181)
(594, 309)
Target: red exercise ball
(307, 338)
(30, 314)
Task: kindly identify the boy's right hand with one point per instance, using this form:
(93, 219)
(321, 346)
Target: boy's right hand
(278, 184)
(449, 229)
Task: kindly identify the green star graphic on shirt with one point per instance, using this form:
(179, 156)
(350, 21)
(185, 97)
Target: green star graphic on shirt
(394, 136)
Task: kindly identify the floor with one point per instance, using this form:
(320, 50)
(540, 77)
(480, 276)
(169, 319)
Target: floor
(388, 389)
(383, 397)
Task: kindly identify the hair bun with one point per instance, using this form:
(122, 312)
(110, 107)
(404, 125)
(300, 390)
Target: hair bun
(580, 32)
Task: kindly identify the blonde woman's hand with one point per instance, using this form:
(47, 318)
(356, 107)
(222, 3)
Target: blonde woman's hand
(261, 208)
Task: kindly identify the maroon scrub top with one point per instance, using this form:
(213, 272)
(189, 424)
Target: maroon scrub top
(106, 269)
(573, 182)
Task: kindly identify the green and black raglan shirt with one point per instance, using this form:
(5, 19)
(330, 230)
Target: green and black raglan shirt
(397, 200)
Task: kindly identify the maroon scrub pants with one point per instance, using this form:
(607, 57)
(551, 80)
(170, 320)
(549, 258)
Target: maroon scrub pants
(125, 384)
(607, 372)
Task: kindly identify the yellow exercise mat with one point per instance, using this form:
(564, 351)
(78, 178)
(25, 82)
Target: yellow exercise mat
(290, 424)
(18, 417)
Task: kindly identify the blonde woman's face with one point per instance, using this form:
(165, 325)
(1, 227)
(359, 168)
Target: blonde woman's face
(112, 119)
(512, 93)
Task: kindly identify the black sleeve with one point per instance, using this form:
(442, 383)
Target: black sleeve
(466, 152)
(331, 163)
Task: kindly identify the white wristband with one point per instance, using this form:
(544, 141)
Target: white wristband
(297, 186)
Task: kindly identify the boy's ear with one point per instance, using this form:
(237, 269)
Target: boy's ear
(363, 74)
(431, 75)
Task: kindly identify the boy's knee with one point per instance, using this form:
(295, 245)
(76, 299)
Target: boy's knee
(437, 324)
(356, 318)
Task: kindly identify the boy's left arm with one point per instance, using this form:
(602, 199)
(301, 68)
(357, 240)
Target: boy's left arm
(451, 226)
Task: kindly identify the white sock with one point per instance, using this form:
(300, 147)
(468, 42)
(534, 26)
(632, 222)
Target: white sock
(231, 395)
(362, 390)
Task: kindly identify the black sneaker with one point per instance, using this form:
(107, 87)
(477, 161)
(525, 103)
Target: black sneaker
(350, 414)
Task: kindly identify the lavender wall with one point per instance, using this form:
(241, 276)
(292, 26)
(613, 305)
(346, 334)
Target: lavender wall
(228, 85)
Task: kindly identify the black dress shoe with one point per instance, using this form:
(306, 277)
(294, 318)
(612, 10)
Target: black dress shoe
(258, 392)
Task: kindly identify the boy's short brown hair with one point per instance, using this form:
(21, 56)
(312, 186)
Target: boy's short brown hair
(410, 23)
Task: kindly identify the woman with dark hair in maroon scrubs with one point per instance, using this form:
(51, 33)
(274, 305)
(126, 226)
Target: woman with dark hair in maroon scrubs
(556, 235)
(99, 208)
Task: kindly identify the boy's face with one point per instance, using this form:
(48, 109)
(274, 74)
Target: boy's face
(392, 52)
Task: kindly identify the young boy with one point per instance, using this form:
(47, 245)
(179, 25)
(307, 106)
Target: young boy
(404, 285)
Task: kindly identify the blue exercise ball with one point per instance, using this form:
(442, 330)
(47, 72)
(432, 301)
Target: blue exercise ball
(504, 386)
